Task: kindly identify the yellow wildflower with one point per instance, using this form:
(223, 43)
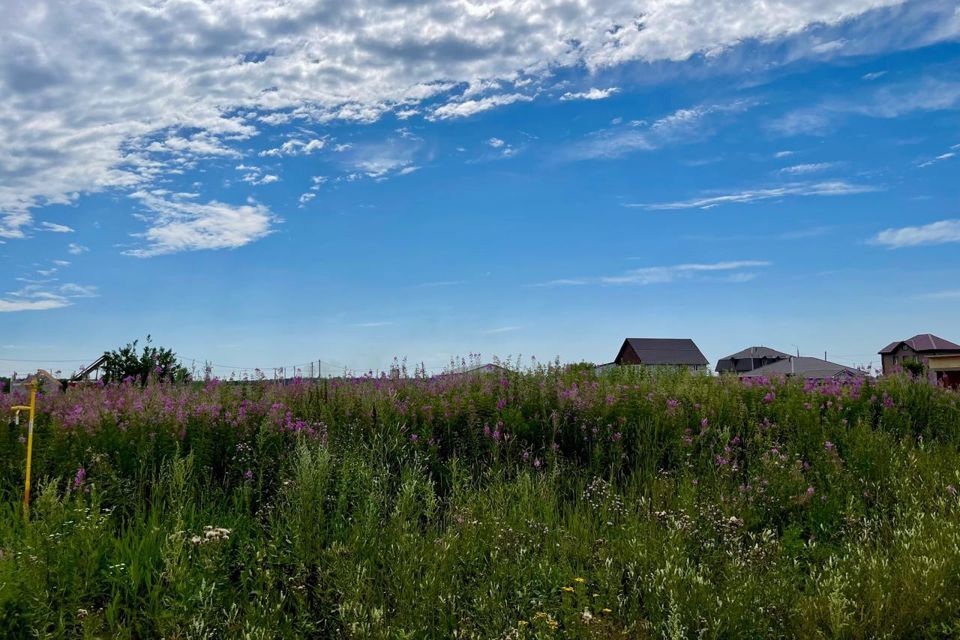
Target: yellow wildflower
(605, 610)
(568, 589)
(579, 580)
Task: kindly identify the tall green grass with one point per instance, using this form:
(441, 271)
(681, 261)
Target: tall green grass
(547, 504)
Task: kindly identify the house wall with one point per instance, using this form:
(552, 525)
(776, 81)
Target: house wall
(893, 361)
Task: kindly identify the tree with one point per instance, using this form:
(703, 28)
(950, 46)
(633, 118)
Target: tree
(154, 363)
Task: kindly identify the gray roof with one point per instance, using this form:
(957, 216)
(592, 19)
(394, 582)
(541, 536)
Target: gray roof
(923, 342)
(668, 351)
(803, 366)
(757, 352)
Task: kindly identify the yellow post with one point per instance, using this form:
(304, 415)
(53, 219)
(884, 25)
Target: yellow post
(32, 408)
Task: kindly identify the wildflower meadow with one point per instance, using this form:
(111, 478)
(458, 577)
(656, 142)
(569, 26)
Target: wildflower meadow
(548, 503)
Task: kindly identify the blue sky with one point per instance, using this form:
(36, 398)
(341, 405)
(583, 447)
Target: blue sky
(260, 184)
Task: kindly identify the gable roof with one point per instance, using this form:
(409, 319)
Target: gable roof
(757, 352)
(923, 342)
(83, 373)
(804, 366)
(668, 351)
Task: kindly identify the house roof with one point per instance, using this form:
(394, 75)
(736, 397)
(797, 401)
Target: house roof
(757, 352)
(923, 342)
(83, 373)
(803, 366)
(675, 351)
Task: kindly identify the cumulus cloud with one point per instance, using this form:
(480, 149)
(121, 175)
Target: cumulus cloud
(295, 147)
(177, 226)
(116, 94)
(733, 270)
(75, 249)
(592, 94)
(256, 176)
(942, 232)
(833, 188)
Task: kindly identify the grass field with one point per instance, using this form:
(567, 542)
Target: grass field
(550, 503)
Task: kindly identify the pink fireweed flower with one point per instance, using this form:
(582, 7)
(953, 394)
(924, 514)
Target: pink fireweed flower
(770, 397)
(828, 445)
(672, 404)
(79, 478)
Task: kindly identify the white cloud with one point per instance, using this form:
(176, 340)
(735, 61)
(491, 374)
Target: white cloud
(801, 169)
(306, 197)
(637, 135)
(874, 75)
(7, 306)
(373, 324)
(382, 160)
(939, 158)
(255, 175)
(592, 94)
(834, 188)
(296, 147)
(188, 226)
(783, 154)
(942, 232)
(116, 94)
(496, 143)
(75, 249)
(953, 294)
(497, 330)
(468, 108)
(56, 228)
(41, 297)
(923, 94)
(733, 271)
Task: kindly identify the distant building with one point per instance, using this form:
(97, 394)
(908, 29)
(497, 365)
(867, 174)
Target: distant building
(805, 367)
(479, 369)
(46, 381)
(90, 372)
(749, 359)
(661, 352)
(940, 357)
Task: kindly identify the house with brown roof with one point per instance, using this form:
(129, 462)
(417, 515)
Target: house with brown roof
(940, 357)
(661, 352)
